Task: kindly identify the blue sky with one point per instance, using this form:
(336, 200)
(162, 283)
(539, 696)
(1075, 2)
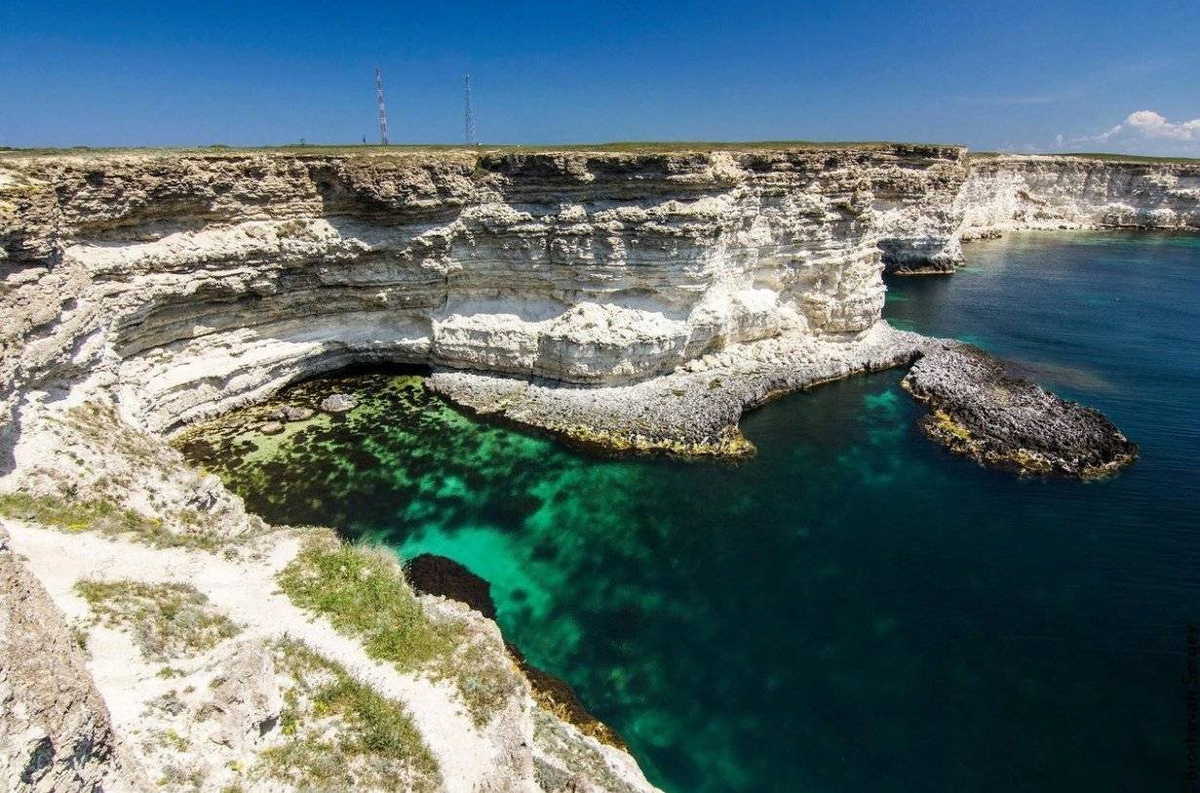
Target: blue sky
(991, 75)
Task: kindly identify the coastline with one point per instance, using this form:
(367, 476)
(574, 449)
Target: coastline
(598, 296)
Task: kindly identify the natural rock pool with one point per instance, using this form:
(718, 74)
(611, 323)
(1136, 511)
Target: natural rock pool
(854, 608)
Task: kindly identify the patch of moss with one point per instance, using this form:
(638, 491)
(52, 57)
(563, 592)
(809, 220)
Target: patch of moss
(167, 620)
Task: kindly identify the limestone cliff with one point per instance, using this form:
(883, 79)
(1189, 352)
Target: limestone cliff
(199, 281)
(635, 300)
(1010, 193)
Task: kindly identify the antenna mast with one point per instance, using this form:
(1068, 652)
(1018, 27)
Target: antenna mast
(468, 113)
(383, 136)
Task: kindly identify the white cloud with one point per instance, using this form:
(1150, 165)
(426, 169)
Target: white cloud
(1143, 132)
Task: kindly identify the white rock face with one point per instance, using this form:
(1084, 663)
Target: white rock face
(202, 282)
(197, 283)
(1039, 192)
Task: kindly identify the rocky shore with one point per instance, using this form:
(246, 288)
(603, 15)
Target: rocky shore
(624, 300)
(978, 409)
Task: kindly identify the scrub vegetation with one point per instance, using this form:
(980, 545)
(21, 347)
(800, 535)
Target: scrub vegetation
(339, 734)
(104, 517)
(167, 620)
(362, 591)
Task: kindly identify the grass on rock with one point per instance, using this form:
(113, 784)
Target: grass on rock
(104, 517)
(340, 734)
(167, 620)
(362, 591)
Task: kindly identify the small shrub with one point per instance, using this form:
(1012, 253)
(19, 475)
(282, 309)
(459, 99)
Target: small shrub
(167, 620)
(373, 744)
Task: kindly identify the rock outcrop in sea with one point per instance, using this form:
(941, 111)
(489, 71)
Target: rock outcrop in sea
(630, 301)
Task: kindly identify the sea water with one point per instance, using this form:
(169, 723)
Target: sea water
(854, 608)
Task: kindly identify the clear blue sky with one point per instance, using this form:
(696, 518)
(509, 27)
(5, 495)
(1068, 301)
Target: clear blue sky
(991, 75)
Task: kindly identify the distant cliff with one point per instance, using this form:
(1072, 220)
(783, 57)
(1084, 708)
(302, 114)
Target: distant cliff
(1007, 193)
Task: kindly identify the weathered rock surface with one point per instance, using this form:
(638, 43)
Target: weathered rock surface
(1010, 193)
(337, 403)
(989, 195)
(247, 698)
(977, 409)
(201, 282)
(691, 411)
(55, 731)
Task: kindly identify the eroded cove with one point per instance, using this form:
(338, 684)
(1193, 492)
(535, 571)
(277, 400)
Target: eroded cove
(853, 607)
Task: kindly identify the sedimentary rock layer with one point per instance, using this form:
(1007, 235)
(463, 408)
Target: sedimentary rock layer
(1010, 193)
(197, 281)
(635, 300)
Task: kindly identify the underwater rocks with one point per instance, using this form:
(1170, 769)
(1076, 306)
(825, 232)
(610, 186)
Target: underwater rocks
(430, 574)
(337, 403)
(978, 409)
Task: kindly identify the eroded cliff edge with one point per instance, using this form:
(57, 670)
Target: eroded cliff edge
(638, 300)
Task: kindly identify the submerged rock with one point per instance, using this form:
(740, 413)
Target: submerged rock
(271, 428)
(978, 409)
(293, 413)
(430, 574)
(338, 403)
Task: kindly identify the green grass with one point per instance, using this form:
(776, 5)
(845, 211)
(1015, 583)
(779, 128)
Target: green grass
(375, 743)
(362, 591)
(364, 594)
(410, 148)
(167, 620)
(1095, 156)
(101, 516)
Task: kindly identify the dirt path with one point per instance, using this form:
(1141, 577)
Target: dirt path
(246, 591)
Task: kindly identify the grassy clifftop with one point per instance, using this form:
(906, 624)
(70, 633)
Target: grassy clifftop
(1087, 155)
(636, 147)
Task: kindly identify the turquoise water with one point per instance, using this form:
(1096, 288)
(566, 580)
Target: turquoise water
(854, 608)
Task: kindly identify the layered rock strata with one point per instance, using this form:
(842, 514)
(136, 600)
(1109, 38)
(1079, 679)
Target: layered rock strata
(202, 282)
(624, 300)
(1013, 193)
(1038, 192)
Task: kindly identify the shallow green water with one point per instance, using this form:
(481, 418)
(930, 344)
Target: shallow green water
(853, 609)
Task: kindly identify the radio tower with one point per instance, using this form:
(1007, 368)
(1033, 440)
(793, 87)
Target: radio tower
(382, 110)
(468, 113)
